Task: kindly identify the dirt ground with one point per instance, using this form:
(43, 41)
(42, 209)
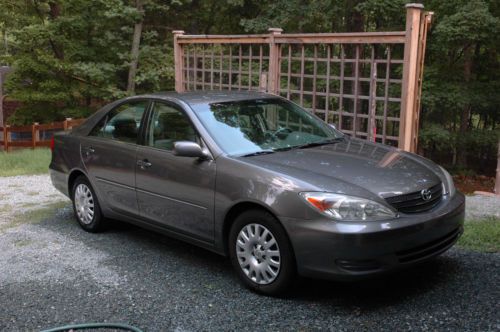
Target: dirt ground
(467, 184)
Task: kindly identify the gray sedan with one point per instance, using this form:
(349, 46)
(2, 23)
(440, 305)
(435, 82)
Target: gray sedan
(257, 178)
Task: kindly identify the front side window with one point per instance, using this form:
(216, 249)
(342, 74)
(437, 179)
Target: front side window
(252, 126)
(168, 125)
(122, 123)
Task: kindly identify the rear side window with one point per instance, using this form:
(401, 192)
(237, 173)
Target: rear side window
(122, 123)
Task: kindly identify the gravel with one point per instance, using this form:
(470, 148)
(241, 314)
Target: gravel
(20, 194)
(53, 273)
(478, 207)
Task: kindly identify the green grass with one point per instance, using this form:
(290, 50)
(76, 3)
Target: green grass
(24, 162)
(481, 235)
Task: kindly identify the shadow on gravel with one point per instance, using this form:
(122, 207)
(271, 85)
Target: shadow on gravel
(386, 290)
(369, 295)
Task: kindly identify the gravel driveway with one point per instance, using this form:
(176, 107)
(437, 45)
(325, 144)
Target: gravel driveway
(53, 273)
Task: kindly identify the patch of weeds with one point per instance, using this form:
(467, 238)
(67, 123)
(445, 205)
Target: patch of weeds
(33, 216)
(25, 161)
(5, 209)
(22, 243)
(29, 205)
(481, 235)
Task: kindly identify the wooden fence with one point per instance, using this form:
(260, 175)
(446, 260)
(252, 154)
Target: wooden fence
(35, 135)
(368, 84)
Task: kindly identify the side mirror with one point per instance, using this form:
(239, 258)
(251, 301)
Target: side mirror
(333, 126)
(189, 149)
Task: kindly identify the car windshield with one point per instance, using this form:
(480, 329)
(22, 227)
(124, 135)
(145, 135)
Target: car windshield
(263, 126)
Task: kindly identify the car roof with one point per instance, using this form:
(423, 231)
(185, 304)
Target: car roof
(210, 96)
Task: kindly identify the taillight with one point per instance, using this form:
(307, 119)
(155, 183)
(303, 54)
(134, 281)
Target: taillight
(52, 144)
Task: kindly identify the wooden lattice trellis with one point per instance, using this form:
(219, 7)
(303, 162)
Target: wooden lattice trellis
(368, 84)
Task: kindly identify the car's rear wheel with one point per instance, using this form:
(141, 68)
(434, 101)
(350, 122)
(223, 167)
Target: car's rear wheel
(86, 206)
(261, 253)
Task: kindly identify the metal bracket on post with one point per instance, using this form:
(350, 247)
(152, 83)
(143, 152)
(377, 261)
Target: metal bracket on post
(410, 86)
(274, 61)
(178, 61)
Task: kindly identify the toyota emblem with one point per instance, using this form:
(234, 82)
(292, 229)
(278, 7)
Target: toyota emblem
(426, 194)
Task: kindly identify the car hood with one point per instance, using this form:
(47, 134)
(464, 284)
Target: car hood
(353, 163)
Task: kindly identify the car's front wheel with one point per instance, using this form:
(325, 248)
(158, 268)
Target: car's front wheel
(86, 206)
(261, 253)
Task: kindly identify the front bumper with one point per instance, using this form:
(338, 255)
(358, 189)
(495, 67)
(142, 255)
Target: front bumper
(349, 250)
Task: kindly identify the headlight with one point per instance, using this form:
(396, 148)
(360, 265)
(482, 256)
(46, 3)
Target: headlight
(450, 186)
(347, 208)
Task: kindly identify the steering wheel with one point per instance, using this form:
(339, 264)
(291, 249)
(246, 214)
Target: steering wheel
(282, 132)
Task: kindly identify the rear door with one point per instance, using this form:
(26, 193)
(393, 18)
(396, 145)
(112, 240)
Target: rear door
(109, 154)
(174, 192)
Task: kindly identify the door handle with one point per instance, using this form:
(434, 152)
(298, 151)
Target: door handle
(143, 164)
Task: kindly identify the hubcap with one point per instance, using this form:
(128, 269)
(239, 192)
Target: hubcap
(258, 254)
(84, 204)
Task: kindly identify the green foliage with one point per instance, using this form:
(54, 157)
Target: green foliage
(436, 138)
(68, 54)
(462, 64)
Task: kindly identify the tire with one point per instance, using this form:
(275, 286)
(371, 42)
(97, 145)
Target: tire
(254, 256)
(86, 205)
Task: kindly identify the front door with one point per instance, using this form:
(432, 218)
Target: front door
(109, 154)
(176, 192)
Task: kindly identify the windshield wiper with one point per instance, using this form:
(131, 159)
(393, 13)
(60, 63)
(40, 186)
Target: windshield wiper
(323, 142)
(257, 153)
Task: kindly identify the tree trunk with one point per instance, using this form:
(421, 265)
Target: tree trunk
(5, 42)
(134, 52)
(54, 13)
(466, 111)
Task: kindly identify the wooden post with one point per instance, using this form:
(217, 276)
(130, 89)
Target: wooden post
(6, 137)
(179, 62)
(497, 182)
(409, 90)
(263, 82)
(425, 23)
(274, 62)
(34, 135)
(66, 124)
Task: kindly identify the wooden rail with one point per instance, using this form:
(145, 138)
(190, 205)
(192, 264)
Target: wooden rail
(40, 134)
(367, 84)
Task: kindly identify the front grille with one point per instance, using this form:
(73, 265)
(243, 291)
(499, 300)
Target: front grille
(414, 202)
(429, 249)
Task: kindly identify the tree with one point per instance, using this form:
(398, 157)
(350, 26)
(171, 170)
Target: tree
(461, 86)
(71, 53)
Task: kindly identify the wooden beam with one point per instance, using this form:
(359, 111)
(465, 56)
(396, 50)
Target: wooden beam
(425, 23)
(274, 61)
(229, 39)
(410, 75)
(178, 61)
(392, 37)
